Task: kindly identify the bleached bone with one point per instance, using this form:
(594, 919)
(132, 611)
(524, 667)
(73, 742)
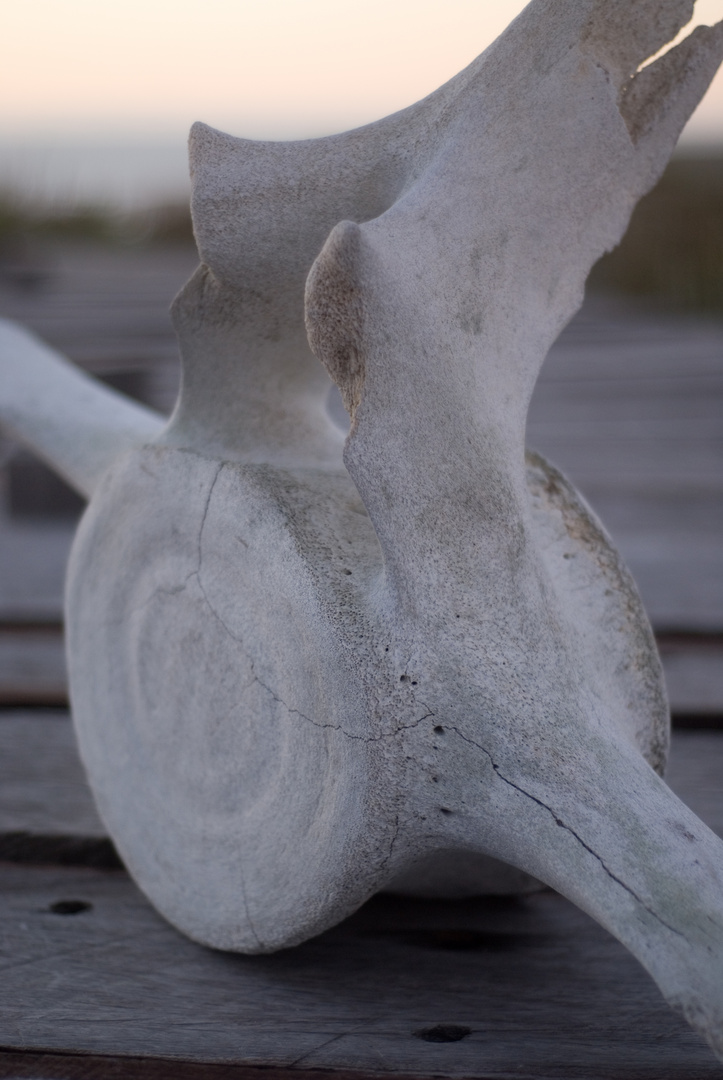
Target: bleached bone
(293, 688)
(71, 420)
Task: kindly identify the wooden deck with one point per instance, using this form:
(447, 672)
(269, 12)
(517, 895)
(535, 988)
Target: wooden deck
(529, 988)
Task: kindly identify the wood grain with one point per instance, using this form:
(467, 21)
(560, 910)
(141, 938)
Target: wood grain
(543, 990)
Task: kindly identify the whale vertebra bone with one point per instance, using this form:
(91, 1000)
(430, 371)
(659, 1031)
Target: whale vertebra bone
(295, 685)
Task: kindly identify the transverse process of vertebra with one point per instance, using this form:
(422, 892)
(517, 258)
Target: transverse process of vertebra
(304, 670)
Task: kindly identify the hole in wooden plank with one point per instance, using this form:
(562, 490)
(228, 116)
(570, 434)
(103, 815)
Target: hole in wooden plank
(70, 907)
(443, 1033)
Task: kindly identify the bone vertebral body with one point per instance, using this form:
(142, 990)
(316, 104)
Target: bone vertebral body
(327, 756)
(304, 670)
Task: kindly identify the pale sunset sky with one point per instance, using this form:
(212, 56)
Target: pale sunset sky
(78, 71)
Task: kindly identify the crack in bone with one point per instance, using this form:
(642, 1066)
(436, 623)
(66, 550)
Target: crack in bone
(337, 727)
(568, 828)
(290, 708)
(387, 858)
(206, 508)
(174, 590)
(247, 909)
(160, 590)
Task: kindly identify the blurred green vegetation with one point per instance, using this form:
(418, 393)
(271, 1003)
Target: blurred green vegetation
(29, 234)
(672, 253)
(22, 223)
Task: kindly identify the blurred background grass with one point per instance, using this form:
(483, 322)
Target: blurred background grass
(672, 254)
(32, 223)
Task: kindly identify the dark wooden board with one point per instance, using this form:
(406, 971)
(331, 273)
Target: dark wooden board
(32, 665)
(630, 406)
(544, 991)
(28, 1066)
(43, 790)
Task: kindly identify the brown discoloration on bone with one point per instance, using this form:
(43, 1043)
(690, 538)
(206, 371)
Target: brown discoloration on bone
(335, 310)
(587, 533)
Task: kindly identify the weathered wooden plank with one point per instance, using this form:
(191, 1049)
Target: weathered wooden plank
(694, 675)
(32, 666)
(30, 1066)
(695, 774)
(542, 990)
(87, 967)
(33, 558)
(43, 790)
(630, 405)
